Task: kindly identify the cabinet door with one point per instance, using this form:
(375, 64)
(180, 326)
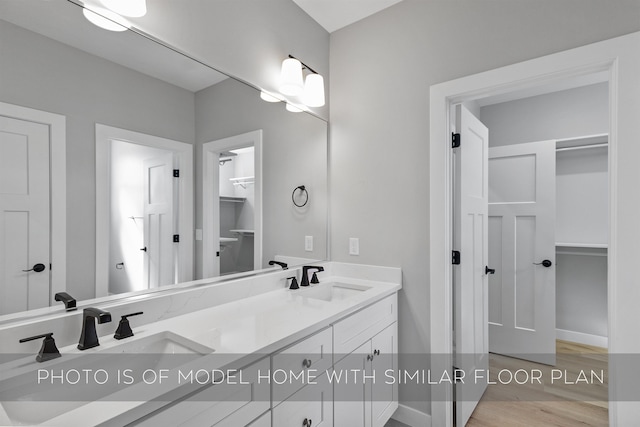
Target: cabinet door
(313, 403)
(351, 393)
(384, 396)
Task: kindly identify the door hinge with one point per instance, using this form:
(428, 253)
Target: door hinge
(176, 238)
(455, 140)
(455, 257)
(176, 173)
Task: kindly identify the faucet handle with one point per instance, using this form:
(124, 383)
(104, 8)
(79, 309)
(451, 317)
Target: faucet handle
(48, 350)
(314, 278)
(124, 329)
(68, 300)
(294, 282)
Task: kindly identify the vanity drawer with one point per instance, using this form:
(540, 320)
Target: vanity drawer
(220, 404)
(313, 402)
(352, 332)
(300, 362)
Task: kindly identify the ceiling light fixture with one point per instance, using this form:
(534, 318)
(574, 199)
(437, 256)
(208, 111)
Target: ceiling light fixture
(131, 8)
(106, 19)
(311, 92)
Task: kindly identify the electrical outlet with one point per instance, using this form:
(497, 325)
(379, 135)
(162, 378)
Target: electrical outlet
(308, 243)
(354, 246)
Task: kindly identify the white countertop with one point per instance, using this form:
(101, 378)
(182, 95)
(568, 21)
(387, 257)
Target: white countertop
(253, 326)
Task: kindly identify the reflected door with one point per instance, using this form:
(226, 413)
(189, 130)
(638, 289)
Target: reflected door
(159, 257)
(24, 215)
(522, 196)
(470, 319)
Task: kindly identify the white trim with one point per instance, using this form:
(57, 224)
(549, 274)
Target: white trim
(617, 56)
(184, 155)
(582, 338)
(58, 184)
(411, 417)
(210, 205)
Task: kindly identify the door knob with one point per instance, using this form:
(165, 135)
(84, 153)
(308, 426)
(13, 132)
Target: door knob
(545, 263)
(37, 268)
(488, 270)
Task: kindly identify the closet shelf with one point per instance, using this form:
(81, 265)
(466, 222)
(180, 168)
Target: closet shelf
(243, 182)
(243, 232)
(582, 245)
(232, 199)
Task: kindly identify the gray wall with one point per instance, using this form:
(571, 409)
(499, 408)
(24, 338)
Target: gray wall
(294, 153)
(381, 70)
(566, 114)
(40, 73)
(244, 38)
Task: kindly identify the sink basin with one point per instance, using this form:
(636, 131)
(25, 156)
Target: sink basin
(58, 386)
(333, 291)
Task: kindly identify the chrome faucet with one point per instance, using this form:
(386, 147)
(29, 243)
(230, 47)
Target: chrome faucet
(89, 336)
(305, 277)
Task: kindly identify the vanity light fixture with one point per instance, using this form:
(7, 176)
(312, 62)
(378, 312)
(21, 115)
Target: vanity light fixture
(311, 92)
(291, 77)
(131, 8)
(294, 108)
(266, 96)
(105, 19)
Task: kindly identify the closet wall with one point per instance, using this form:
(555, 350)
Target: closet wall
(582, 197)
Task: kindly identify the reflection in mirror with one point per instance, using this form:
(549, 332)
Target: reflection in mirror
(100, 95)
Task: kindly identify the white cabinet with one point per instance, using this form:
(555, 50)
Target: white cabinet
(227, 404)
(367, 394)
(311, 406)
(263, 421)
(301, 363)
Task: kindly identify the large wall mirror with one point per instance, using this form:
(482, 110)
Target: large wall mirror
(127, 166)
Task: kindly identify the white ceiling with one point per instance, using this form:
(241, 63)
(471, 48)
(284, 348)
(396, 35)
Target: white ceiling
(335, 14)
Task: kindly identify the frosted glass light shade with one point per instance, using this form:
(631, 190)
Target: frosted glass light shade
(265, 96)
(291, 77)
(293, 108)
(313, 94)
(132, 8)
(106, 19)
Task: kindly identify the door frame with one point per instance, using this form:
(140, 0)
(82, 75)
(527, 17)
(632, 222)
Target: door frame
(57, 186)
(210, 215)
(184, 154)
(618, 57)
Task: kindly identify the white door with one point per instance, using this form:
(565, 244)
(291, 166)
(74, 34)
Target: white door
(522, 196)
(470, 321)
(159, 258)
(24, 215)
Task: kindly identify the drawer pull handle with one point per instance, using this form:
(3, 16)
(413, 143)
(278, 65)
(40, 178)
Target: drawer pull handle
(307, 422)
(376, 352)
(307, 364)
(369, 357)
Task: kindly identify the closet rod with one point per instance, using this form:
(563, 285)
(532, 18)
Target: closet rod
(582, 147)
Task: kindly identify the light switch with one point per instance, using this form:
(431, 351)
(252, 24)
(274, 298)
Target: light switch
(354, 246)
(198, 234)
(308, 243)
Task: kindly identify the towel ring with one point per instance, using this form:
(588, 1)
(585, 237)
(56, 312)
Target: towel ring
(302, 190)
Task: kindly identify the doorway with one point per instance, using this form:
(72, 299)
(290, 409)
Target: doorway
(617, 58)
(232, 205)
(32, 208)
(144, 211)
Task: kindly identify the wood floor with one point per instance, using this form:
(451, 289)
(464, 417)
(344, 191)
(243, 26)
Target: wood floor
(557, 404)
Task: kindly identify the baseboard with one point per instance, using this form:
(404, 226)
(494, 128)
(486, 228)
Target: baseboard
(582, 338)
(411, 417)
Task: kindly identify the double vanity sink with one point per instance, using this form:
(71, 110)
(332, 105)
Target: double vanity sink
(122, 376)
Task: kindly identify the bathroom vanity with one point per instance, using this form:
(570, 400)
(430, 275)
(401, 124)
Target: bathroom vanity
(260, 355)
